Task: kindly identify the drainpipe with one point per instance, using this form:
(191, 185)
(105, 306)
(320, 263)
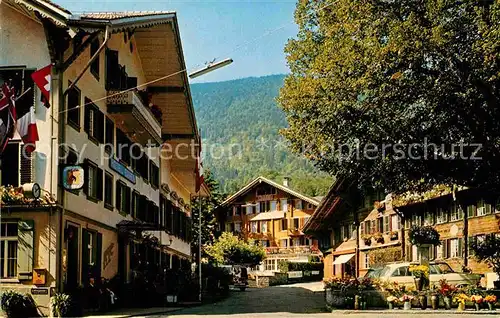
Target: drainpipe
(106, 39)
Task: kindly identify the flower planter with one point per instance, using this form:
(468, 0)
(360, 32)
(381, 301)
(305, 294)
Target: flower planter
(435, 302)
(422, 300)
(406, 305)
(447, 303)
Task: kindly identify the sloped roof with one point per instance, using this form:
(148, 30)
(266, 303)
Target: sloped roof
(261, 179)
(120, 15)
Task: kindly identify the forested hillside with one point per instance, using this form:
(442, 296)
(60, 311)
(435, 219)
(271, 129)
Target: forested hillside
(240, 124)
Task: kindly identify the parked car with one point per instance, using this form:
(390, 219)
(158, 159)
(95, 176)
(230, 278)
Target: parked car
(399, 272)
(374, 273)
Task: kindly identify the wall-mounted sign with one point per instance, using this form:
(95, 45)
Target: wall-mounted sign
(295, 274)
(122, 170)
(39, 291)
(315, 272)
(72, 177)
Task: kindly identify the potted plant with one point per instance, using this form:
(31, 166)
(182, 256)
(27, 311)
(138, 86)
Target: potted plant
(491, 300)
(477, 300)
(17, 305)
(422, 300)
(394, 235)
(487, 251)
(461, 299)
(367, 239)
(420, 275)
(391, 300)
(406, 300)
(424, 235)
(446, 291)
(379, 238)
(434, 298)
(336, 290)
(60, 305)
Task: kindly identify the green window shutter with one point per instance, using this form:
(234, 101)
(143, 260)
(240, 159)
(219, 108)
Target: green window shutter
(25, 249)
(98, 263)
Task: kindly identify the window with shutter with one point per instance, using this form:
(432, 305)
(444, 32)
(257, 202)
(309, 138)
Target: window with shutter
(26, 171)
(362, 227)
(110, 136)
(25, 250)
(94, 67)
(108, 190)
(387, 224)
(73, 104)
(118, 197)
(99, 185)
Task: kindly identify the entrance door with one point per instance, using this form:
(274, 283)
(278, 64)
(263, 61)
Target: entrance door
(72, 257)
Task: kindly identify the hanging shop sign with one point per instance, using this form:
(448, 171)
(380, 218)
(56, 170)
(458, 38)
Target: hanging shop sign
(73, 177)
(122, 170)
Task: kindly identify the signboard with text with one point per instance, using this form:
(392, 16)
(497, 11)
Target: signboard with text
(122, 170)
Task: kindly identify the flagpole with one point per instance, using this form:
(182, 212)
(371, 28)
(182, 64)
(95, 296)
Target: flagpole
(199, 218)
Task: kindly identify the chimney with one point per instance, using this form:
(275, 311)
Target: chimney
(286, 181)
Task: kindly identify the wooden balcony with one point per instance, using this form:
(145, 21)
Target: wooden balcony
(133, 117)
(293, 250)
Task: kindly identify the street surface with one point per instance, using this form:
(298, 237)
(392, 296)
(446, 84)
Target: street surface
(298, 300)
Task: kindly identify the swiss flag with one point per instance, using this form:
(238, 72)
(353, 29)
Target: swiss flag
(42, 79)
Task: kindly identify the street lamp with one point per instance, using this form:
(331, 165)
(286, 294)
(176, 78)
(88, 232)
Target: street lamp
(207, 69)
(210, 67)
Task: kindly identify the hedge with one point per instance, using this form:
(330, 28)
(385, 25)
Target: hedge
(286, 267)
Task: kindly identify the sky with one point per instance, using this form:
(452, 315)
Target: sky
(253, 33)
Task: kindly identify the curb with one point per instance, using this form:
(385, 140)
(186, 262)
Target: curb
(415, 312)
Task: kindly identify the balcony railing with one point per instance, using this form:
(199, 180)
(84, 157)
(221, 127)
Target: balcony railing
(305, 249)
(132, 116)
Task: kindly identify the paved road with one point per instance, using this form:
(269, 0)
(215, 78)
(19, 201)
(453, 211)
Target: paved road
(294, 301)
(279, 301)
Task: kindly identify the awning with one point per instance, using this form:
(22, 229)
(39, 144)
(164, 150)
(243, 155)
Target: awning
(269, 216)
(342, 259)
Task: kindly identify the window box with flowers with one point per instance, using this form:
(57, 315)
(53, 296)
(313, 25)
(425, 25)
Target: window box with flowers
(367, 239)
(394, 235)
(379, 238)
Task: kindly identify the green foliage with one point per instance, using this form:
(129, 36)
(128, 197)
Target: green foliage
(420, 235)
(244, 113)
(60, 304)
(17, 305)
(208, 219)
(286, 267)
(488, 251)
(229, 249)
(386, 73)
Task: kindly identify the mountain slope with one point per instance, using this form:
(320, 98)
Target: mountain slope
(240, 124)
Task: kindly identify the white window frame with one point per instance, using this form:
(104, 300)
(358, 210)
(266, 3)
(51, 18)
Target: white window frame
(237, 227)
(263, 226)
(248, 209)
(254, 226)
(442, 216)
(455, 213)
(275, 203)
(386, 223)
(440, 251)
(298, 204)
(285, 241)
(454, 248)
(395, 222)
(284, 205)
(4, 239)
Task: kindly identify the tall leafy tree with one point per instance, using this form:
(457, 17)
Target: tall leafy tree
(385, 92)
(208, 219)
(230, 249)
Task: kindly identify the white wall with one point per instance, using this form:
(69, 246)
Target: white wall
(22, 43)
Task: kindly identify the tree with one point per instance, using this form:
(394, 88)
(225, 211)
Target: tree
(229, 249)
(397, 95)
(488, 251)
(208, 219)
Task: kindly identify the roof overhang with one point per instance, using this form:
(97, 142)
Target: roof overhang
(260, 180)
